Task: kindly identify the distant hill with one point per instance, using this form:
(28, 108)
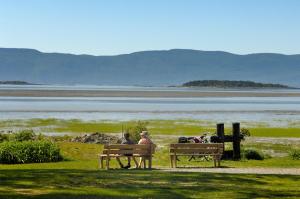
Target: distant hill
(150, 68)
(231, 84)
(15, 83)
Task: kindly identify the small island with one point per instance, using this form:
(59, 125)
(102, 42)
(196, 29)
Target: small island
(232, 84)
(15, 83)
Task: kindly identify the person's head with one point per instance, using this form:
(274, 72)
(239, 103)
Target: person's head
(144, 134)
(126, 136)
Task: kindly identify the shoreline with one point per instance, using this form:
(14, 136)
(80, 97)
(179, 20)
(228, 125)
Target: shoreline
(151, 94)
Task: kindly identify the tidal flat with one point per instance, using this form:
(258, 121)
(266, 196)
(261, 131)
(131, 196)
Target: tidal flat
(145, 93)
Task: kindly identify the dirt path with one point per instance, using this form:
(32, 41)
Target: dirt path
(279, 171)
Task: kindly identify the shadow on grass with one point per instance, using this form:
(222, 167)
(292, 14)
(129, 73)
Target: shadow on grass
(68, 183)
(203, 167)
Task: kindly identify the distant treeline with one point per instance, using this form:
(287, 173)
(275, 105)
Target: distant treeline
(231, 84)
(15, 82)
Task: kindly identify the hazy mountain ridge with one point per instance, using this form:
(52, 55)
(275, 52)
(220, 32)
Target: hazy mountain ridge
(169, 67)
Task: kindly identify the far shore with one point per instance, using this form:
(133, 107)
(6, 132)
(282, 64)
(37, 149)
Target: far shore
(154, 94)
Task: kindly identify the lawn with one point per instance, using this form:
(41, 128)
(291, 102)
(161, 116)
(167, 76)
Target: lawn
(83, 183)
(275, 132)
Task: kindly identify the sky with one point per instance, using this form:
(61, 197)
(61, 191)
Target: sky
(110, 27)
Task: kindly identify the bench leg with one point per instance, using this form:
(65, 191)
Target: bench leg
(107, 163)
(215, 161)
(219, 161)
(150, 162)
(101, 162)
(175, 161)
(144, 162)
(171, 161)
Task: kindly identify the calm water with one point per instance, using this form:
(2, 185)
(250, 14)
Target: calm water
(276, 111)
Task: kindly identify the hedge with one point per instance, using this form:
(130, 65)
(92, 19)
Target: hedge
(29, 152)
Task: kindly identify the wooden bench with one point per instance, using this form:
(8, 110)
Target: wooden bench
(144, 151)
(188, 149)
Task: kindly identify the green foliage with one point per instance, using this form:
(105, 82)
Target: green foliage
(63, 138)
(135, 130)
(40, 137)
(295, 154)
(252, 154)
(29, 152)
(4, 137)
(24, 135)
(245, 133)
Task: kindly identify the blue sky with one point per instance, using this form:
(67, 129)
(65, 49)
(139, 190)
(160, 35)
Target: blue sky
(108, 27)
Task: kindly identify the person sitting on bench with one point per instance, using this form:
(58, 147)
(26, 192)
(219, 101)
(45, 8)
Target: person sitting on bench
(144, 140)
(126, 140)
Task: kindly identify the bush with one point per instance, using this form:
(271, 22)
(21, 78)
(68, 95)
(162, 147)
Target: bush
(24, 135)
(136, 130)
(295, 154)
(4, 137)
(251, 154)
(40, 137)
(245, 133)
(29, 152)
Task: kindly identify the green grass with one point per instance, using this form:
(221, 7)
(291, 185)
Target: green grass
(79, 177)
(82, 183)
(275, 132)
(165, 127)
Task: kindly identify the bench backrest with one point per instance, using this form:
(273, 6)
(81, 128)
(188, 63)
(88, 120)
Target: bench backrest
(192, 148)
(122, 149)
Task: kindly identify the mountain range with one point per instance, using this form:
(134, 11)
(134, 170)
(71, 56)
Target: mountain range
(147, 68)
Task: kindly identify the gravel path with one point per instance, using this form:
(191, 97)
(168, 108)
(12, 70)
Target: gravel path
(279, 171)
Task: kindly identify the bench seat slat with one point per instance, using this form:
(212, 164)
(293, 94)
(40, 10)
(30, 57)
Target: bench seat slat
(122, 155)
(127, 152)
(196, 151)
(196, 145)
(126, 146)
(196, 154)
(121, 151)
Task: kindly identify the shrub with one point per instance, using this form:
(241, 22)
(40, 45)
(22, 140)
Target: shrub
(61, 138)
(245, 133)
(295, 154)
(136, 130)
(4, 137)
(40, 137)
(252, 154)
(14, 152)
(24, 135)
